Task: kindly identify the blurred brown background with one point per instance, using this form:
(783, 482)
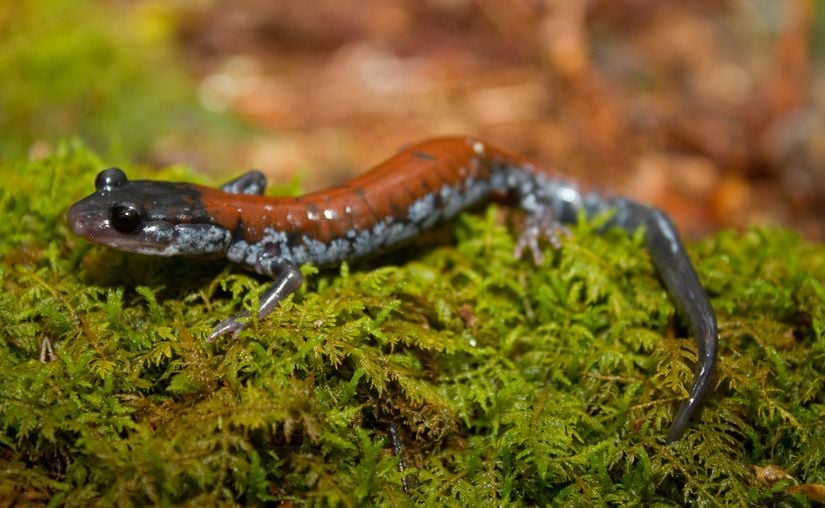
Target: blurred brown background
(711, 109)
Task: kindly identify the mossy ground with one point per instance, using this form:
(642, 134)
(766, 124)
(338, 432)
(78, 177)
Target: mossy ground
(503, 382)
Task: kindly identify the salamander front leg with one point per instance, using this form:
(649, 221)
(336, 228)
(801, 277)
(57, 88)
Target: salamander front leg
(251, 182)
(287, 280)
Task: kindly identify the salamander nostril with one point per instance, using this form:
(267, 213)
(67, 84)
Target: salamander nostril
(75, 217)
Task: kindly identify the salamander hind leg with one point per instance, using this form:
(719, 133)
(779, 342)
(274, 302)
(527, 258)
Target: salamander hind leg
(251, 182)
(540, 224)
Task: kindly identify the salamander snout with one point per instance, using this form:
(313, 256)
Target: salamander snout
(84, 220)
(119, 225)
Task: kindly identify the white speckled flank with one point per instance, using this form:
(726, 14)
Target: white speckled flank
(422, 208)
(535, 193)
(385, 234)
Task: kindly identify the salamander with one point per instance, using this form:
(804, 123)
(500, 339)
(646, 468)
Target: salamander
(384, 207)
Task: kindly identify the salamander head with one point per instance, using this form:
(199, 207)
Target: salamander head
(147, 217)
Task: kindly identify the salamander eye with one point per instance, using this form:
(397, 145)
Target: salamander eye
(109, 179)
(126, 217)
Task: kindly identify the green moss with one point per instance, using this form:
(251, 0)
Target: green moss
(505, 382)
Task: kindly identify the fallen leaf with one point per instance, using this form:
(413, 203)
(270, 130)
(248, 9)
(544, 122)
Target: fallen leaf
(813, 491)
(770, 474)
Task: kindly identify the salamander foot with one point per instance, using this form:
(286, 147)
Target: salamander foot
(231, 325)
(540, 225)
